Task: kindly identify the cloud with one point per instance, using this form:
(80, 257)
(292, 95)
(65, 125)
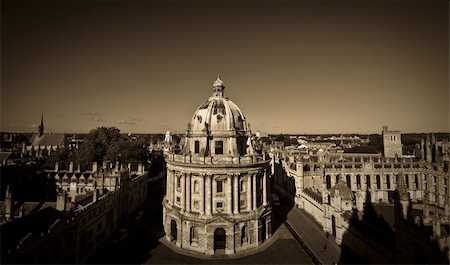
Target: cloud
(89, 113)
(126, 122)
(98, 119)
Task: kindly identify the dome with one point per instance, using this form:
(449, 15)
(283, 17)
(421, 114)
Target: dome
(218, 114)
(340, 189)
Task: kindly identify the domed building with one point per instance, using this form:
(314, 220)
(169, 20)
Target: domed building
(217, 185)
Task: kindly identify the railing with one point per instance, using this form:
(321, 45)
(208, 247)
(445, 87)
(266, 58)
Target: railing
(216, 160)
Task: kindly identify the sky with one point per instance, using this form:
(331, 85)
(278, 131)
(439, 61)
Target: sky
(291, 66)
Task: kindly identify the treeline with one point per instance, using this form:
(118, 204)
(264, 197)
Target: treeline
(107, 144)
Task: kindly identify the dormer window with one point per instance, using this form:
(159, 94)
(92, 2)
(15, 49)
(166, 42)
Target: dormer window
(219, 148)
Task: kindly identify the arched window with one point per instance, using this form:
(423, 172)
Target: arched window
(195, 186)
(244, 238)
(378, 182)
(178, 182)
(407, 181)
(328, 180)
(196, 147)
(219, 148)
(416, 180)
(348, 180)
(358, 181)
(337, 178)
(368, 181)
(388, 182)
(242, 185)
(194, 235)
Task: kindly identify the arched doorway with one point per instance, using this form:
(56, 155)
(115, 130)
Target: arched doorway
(333, 225)
(173, 230)
(219, 239)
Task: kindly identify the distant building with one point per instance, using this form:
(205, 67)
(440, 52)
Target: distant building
(70, 231)
(217, 185)
(392, 143)
(44, 144)
(380, 207)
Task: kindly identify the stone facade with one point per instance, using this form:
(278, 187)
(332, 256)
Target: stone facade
(217, 193)
(361, 180)
(392, 143)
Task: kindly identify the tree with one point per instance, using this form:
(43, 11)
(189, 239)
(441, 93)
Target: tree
(96, 145)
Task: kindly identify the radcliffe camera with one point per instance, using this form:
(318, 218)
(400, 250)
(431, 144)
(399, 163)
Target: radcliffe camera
(225, 132)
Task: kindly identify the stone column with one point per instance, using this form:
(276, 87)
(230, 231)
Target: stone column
(168, 186)
(265, 188)
(208, 194)
(228, 193)
(174, 186)
(236, 194)
(254, 191)
(183, 192)
(202, 190)
(249, 191)
(188, 192)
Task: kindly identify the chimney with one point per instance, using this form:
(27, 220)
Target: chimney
(422, 149)
(71, 167)
(95, 195)
(94, 167)
(61, 200)
(9, 203)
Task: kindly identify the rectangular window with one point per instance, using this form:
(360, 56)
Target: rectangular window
(196, 147)
(242, 203)
(219, 148)
(178, 200)
(219, 186)
(196, 205)
(219, 205)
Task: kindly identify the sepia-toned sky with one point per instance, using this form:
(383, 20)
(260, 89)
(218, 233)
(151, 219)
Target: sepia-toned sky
(291, 66)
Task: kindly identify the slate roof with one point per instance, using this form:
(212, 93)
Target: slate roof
(48, 139)
(4, 155)
(36, 223)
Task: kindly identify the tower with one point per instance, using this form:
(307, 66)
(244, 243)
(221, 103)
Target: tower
(392, 143)
(216, 200)
(41, 126)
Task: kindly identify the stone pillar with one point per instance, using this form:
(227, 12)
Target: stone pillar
(265, 188)
(228, 193)
(208, 194)
(202, 190)
(249, 191)
(183, 192)
(255, 203)
(188, 192)
(174, 186)
(236, 194)
(168, 186)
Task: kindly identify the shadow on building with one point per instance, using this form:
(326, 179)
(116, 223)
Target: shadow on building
(383, 234)
(282, 195)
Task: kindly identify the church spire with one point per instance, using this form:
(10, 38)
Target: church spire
(41, 126)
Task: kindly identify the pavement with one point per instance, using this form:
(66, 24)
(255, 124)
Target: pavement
(311, 233)
(144, 245)
(282, 248)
